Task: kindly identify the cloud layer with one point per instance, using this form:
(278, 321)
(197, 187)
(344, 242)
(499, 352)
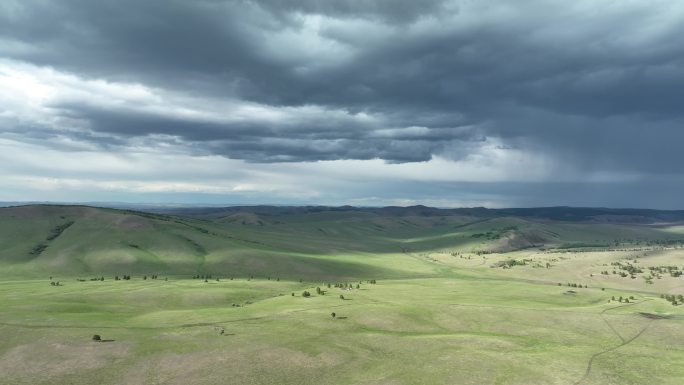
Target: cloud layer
(537, 93)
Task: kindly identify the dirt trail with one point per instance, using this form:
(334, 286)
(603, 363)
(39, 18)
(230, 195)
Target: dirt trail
(623, 343)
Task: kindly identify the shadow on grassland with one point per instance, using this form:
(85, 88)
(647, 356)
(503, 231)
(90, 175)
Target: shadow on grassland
(303, 267)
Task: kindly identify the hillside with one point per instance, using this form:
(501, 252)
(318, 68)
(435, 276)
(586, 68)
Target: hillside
(86, 240)
(296, 242)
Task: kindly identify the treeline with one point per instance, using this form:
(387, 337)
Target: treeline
(673, 299)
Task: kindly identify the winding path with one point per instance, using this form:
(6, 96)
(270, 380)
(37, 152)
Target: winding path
(623, 343)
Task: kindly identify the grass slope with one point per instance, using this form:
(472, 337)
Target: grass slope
(430, 331)
(40, 240)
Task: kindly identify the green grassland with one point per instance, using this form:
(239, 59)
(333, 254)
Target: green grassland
(449, 307)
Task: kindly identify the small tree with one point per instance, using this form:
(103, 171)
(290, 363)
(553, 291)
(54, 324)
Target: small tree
(341, 296)
(97, 337)
(333, 314)
(306, 294)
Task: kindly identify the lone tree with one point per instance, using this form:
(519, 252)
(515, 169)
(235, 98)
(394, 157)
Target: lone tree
(341, 296)
(97, 337)
(333, 314)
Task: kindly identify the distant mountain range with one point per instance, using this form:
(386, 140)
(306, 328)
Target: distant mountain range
(556, 213)
(560, 213)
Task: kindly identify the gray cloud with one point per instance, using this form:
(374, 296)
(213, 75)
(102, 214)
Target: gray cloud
(593, 85)
(309, 139)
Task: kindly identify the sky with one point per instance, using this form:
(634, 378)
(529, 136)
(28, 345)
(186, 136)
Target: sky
(444, 103)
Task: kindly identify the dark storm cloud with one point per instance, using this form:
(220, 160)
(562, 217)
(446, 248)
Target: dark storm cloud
(130, 40)
(257, 141)
(596, 84)
(391, 11)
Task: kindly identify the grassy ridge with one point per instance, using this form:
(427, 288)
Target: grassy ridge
(40, 240)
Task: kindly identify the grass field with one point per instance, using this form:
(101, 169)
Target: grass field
(448, 307)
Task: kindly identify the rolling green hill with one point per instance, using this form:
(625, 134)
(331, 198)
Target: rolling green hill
(309, 242)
